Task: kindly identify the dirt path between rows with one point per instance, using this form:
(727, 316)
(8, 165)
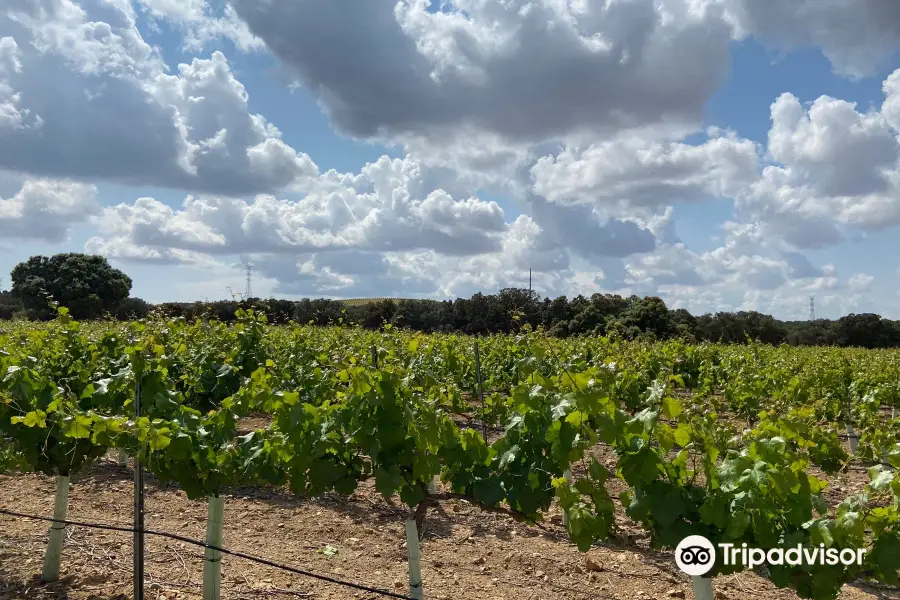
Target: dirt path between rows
(467, 553)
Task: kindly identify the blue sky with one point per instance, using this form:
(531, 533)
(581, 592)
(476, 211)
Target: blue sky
(713, 157)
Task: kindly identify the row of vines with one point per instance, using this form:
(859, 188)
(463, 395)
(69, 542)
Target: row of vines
(732, 443)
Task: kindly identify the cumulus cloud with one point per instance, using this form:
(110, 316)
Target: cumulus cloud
(857, 36)
(635, 171)
(527, 71)
(579, 111)
(748, 271)
(388, 227)
(384, 208)
(46, 210)
(83, 96)
(356, 272)
(891, 107)
(834, 170)
(589, 232)
(202, 22)
(842, 152)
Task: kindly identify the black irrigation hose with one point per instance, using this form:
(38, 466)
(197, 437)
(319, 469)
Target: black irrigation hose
(194, 542)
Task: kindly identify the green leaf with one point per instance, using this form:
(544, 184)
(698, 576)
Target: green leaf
(820, 532)
(667, 506)
(508, 457)
(671, 408)
(881, 479)
(640, 468)
(683, 434)
(36, 418)
(77, 426)
(387, 481)
(666, 437)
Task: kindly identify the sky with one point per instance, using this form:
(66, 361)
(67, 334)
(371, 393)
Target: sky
(719, 154)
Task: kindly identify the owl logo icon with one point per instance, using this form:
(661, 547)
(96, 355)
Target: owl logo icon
(695, 555)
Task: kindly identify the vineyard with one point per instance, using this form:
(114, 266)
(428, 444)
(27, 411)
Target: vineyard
(609, 443)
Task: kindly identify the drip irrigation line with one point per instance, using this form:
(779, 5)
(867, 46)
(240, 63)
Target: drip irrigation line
(187, 540)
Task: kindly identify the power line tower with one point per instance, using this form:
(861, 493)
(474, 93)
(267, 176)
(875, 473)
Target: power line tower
(248, 292)
(812, 308)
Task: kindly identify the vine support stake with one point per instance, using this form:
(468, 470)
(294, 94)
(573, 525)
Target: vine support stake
(703, 589)
(138, 506)
(53, 557)
(374, 357)
(415, 565)
(853, 438)
(480, 392)
(212, 566)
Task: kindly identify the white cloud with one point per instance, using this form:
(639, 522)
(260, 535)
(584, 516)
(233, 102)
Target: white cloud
(46, 210)
(384, 208)
(389, 227)
(524, 70)
(857, 36)
(747, 271)
(891, 107)
(76, 72)
(861, 282)
(355, 272)
(10, 60)
(579, 111)
(835, 170)
(202, 22)
(840, 151)
(632, 171)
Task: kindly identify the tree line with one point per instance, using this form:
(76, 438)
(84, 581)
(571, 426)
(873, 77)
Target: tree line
(92, 289)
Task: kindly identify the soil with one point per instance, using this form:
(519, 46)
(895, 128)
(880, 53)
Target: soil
(466, 553)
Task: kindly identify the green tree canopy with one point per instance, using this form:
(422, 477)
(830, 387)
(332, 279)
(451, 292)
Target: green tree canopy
(85, 284)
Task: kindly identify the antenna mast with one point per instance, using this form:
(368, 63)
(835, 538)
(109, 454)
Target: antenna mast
(248, 293)
(812, 308)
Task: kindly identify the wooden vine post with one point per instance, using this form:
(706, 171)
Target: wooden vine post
(480, 393)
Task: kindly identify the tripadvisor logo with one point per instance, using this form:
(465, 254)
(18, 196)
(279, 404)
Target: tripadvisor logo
(696, 555)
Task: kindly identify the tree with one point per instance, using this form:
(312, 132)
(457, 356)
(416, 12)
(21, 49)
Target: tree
(87, 285)
(517, 307)
(648, 315)
(865, 330)
(589, 321)
(131, 308)
(685, 323)
(379, 313)
(609, 304)
(9, 305)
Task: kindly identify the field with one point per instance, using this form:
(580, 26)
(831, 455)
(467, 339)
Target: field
(364, 301)
(528, 466)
